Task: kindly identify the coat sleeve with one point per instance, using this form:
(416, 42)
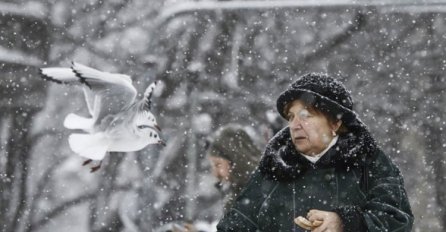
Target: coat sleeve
(243, 215)
(387, 206)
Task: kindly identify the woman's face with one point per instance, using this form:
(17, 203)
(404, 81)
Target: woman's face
(221, 168)
(311, 131)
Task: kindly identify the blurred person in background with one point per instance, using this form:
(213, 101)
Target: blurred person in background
(233, 157)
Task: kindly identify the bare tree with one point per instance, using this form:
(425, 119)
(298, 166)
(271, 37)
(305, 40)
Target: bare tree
(433, 66)
(20, 103)
(28, 41)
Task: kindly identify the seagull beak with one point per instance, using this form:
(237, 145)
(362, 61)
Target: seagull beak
(161, 142)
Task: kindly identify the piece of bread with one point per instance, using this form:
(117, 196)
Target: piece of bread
(306, 224)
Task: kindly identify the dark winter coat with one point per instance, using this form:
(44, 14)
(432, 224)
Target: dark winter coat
(354, 178)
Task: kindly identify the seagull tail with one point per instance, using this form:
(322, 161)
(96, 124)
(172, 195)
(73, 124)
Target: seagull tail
(74, 121)
(90, 146)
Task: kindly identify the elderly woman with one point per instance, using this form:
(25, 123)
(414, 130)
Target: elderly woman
(324, 166)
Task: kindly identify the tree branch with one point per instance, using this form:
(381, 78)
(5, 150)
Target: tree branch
(390, 47)
(21, 149)
(359, 22)
(70, 203)
(40, 190)
(35, 138)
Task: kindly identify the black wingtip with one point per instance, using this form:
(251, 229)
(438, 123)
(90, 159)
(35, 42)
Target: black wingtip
(148, 100)
(82, 79)
(48, 78)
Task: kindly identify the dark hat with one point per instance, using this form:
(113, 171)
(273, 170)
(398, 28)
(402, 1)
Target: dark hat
(323, 92)
(332, 98)
(233, 143)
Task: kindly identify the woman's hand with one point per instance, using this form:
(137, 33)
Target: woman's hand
(331, 222)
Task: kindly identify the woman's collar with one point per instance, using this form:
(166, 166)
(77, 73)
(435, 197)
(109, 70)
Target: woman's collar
(314, 158)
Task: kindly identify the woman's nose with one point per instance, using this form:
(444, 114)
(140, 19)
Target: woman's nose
(296, 123)
(214, 172)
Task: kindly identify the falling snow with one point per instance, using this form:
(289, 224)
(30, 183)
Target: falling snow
(216, 67)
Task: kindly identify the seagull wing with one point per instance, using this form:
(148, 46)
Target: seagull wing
(67, 76)
(145, 104)
(144, 116)
(59, 75)
(111, 92)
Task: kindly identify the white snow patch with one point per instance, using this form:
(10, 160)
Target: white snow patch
(29, 9)
(18, 57)
(202, 123)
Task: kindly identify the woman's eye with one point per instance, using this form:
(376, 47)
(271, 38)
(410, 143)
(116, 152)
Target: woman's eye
(304, 114)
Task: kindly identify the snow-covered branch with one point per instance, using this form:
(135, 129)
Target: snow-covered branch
(40, 187)
(358, 22)
(18, 57)
(29, 9)
(70, 203)
(391, 5)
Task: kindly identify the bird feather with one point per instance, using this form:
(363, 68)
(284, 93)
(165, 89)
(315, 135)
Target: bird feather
(90, 146)
(148, 95)
(74, 121)
(112, 92)
(59, 75)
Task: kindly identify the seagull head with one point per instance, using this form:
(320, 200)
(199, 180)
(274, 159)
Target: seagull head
(147, 127)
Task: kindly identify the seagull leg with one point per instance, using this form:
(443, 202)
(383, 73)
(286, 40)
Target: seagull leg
(95, 168)
(86, 162)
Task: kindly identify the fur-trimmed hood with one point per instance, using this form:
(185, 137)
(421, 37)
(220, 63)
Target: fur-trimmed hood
(281, 161)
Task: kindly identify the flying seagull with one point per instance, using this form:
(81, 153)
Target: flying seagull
(119, 122)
